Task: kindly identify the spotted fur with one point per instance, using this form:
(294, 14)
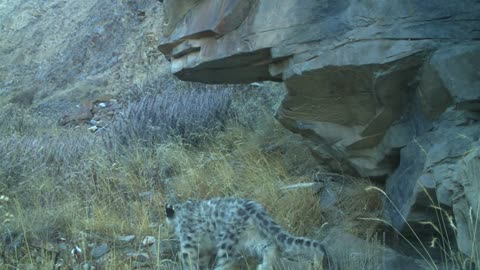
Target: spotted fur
(222, 230)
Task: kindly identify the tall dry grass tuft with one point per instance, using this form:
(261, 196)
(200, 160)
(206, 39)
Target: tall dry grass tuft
(357, 205)
(448, 245)
(451, 256)
(17, 120)
(25, 158)
(423, 252)
(191, 115)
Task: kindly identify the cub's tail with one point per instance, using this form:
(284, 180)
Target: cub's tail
(289, 244)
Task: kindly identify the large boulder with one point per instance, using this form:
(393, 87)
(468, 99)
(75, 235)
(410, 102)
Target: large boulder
(350, 67)
(437, 165)
(382, 89)
(347, 251)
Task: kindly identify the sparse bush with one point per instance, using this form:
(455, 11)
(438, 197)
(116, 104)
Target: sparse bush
(358, 206)
(16, 119)
(29, 157)
(190, 115)
(24, 98)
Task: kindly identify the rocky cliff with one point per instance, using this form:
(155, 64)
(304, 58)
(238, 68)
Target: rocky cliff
(383, 89)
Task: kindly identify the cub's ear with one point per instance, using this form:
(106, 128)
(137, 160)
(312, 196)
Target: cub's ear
(169, 211)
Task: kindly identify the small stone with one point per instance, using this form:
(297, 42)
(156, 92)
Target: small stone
(256, 84)
(93, 122)
(138, 256)
(100, 250)
(148, 241)
(100, 124)
(102, 105)
(126, 238)
(92, 128)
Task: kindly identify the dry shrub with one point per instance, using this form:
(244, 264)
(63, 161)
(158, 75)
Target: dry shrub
(17, 120)
(24, 98)
(358, 206)
(190, 115)
(28, 157)
(300, 212)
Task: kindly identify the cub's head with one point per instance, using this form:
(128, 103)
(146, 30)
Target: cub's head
(170, 213)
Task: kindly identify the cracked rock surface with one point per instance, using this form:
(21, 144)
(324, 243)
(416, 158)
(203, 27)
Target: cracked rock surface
(382, 89)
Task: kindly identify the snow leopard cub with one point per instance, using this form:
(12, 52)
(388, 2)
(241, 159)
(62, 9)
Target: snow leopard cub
(224, 229)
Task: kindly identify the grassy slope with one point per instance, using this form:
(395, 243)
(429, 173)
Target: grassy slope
(69, 183)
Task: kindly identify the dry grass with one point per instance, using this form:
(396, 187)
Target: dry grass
(16, 120)
(243, 170)
(359, 205)
(192, 115)
(87, 189)
(71, 184)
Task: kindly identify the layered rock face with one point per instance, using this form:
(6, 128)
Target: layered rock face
(383, 89)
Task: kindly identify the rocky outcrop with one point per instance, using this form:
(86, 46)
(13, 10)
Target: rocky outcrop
(350, 67)
(441, 155)
(383, 89)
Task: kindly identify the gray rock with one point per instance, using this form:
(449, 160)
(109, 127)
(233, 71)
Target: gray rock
(100, 250)
(465, 190)
(149, 240)
(93, 128)
(432, 161)
(429, 174)
(139, 256)
(349, 252)
(126, 238)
